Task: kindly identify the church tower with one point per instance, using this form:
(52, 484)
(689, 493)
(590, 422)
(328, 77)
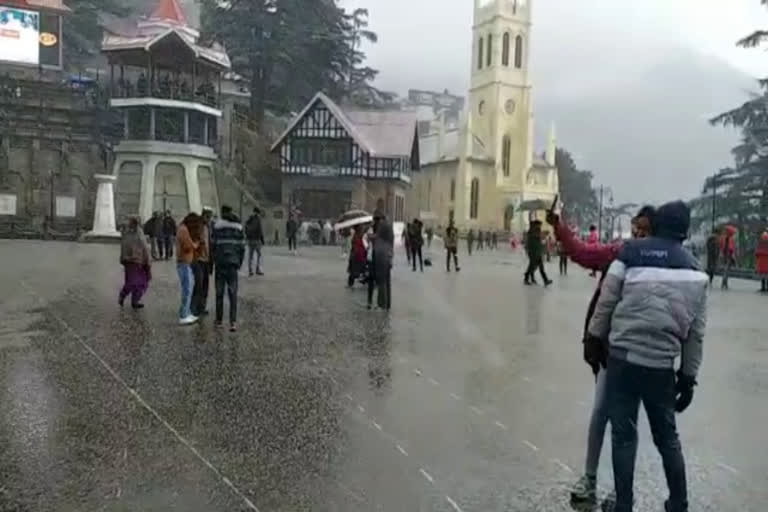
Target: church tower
(500, 101)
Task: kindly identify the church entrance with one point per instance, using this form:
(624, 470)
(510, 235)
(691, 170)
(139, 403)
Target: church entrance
(509, 214)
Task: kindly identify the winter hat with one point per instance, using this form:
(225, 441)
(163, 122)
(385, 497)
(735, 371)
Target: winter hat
(672, 220)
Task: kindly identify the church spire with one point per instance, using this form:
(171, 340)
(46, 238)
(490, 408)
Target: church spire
(169, 10)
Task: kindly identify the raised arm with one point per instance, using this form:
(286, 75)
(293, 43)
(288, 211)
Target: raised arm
(591, 256)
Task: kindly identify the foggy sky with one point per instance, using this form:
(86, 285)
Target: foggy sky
(622, 78)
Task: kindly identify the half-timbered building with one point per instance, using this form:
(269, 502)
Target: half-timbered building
(335, 158)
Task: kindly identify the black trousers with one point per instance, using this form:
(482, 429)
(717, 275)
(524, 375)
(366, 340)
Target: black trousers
(292, 242)
(202, 272)
(381, 278)
(452, 251)
(628, 385)
(563, 265)
(533, 265)
(226, 279)
(470, 242)
(416, 252)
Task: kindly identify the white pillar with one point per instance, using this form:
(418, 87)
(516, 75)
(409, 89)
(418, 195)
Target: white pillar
(104, 214)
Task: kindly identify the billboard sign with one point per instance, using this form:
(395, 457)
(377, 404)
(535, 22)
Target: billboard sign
(19, 35)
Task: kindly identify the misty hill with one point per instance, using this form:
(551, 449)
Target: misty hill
(644, 130)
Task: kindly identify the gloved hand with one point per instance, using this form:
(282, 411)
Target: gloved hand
(595, 353)
(553, 219)
(683, 391)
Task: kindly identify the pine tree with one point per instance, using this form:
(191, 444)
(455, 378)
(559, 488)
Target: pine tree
(83, 28)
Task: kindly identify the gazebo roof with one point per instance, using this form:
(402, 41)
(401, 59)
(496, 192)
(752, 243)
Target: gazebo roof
(167, 25)
(169, 10)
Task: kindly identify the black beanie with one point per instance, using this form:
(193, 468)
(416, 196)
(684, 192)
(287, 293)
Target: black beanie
(672, 220)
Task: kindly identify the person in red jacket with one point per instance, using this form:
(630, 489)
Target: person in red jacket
(595, 256)
(358, 255)
(761, 261)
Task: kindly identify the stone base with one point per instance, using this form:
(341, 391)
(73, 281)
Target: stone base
(101, 238)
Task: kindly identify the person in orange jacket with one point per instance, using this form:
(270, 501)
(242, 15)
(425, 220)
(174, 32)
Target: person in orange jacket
(761, 261)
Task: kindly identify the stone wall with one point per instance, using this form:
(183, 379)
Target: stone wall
(53, 139)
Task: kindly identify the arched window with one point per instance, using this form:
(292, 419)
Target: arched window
(505, 49)
(480, 53)
(519, 52)
(506, 153)
(474, 198)
(489, 50)
(453, 190)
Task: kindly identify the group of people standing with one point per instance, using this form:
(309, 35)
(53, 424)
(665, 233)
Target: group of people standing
(481, 240)
(721, 254)
(631, 347)
(160, 229)
(204, 246)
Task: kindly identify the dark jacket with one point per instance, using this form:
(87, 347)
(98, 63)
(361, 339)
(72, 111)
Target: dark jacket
(713, 252)
(253, 230)
(291, 227)
(150, 226)
(415, 235)
(228, 242)
(169, 227)
(383, 243)
(534, 247)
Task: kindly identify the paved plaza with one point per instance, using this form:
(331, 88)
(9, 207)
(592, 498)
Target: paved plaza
(470, 395)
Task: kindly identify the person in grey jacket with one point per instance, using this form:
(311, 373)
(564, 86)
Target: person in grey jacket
(652, 310)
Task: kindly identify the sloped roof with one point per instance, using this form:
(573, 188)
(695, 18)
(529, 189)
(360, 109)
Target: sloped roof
(388, 133)
(379, 133)
(539, 161)
(169, 10)
(143, 41)
(50, 5)
(450, 150)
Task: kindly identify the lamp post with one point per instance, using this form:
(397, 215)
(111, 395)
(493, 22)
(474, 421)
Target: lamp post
(714, 200)
(600, 217)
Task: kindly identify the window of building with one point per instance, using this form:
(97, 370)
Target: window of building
(506, 153)
(505, 49)
(474, 198)
(519, 52)
(322, 152)
(453, 190)
(489, 51)
(480, 54)
(399, 209)
(207, 185)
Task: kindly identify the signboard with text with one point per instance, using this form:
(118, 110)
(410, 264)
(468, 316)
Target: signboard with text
(19, 35)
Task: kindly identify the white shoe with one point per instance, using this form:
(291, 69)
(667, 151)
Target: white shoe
(188, 320)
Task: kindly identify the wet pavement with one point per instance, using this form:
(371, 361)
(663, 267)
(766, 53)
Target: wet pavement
(470, 396)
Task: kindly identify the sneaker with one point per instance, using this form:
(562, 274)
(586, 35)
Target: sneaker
(233, 328)
(584, 490)
(250, 274)
(191, 319)
(137, 306)
(609, 503)
(548, 283)
(259, 273)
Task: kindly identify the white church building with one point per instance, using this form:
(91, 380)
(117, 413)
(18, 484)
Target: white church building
(482, 173)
